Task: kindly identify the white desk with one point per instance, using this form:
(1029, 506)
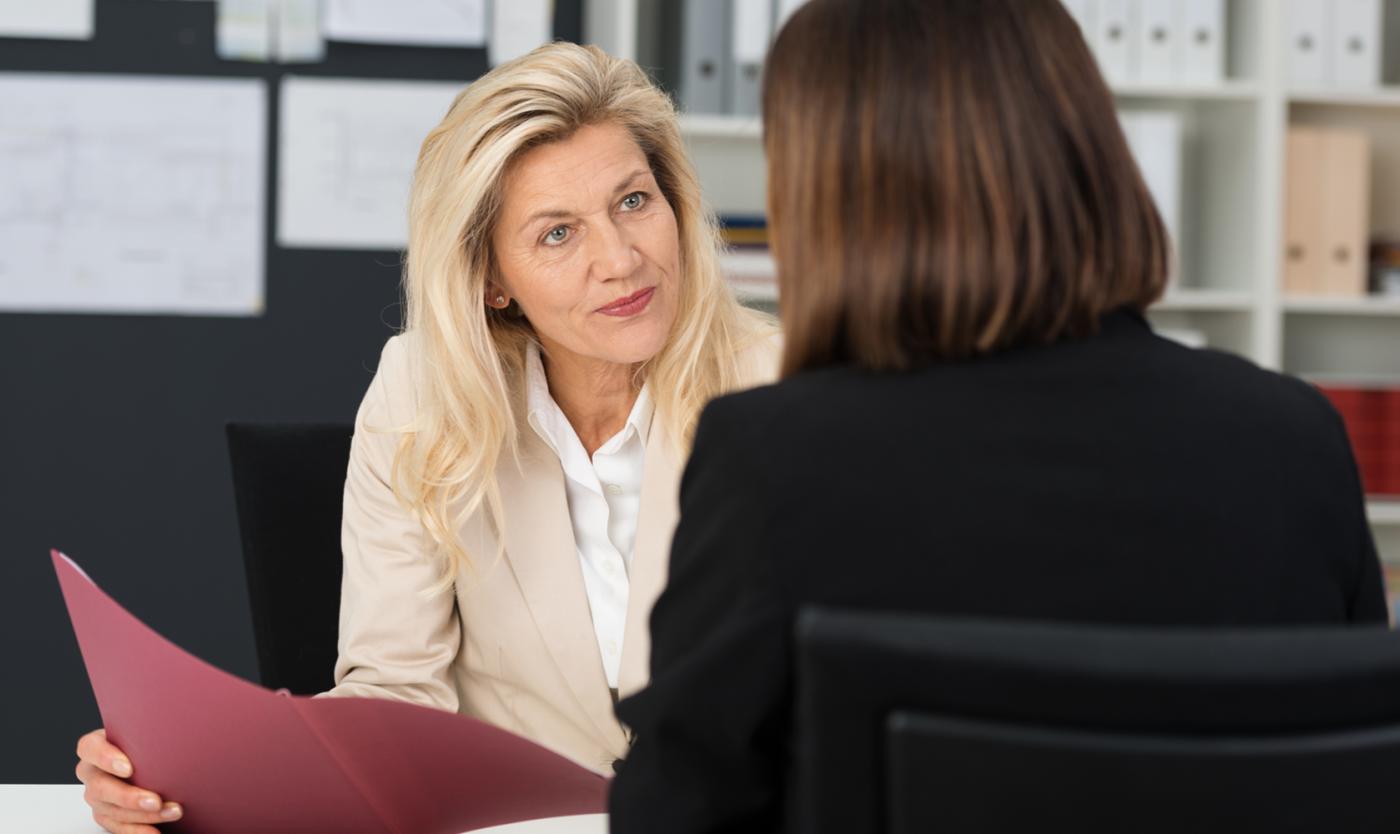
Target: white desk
(59, 809)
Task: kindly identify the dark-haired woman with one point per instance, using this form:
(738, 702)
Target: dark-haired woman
(975, 417)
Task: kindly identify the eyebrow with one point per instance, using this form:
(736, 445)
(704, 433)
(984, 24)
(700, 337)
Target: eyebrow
(561, 214)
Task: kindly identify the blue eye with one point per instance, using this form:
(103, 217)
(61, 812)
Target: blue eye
(556, 236)
(634, 201)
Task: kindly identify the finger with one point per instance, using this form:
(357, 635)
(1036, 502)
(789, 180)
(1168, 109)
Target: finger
(104, 788)
(123, 828)
(125, 816)
(94, 749)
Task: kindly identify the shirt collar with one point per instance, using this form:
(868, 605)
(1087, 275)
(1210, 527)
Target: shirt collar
(548, 420)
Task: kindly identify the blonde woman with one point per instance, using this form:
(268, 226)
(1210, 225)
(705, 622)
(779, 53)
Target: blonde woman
(512, 487)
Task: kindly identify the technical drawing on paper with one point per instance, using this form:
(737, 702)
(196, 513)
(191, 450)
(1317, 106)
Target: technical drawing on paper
(346, 154)
(132, 194)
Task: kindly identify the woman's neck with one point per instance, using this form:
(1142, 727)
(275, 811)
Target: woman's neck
(595, 395)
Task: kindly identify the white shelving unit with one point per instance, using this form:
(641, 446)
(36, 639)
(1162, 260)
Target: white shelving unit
(1207, 301)
(1343, 306)
(1384, 513)
(1230, 243)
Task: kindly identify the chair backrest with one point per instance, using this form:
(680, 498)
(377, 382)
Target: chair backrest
(911, 724)
(288, 480)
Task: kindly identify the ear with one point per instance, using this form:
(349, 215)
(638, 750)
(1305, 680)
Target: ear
(496, 298)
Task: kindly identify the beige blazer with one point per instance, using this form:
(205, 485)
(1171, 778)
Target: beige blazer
(514, 644)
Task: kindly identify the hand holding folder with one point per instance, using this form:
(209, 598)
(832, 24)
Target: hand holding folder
(240, 758)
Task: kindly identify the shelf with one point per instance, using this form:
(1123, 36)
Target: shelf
(1227, 91)
(1224, 301)
(1374, 306)
(1384, 512)
(703, 126)
(748, 265)
(754, 291)
(1380, 97)
(751, 273)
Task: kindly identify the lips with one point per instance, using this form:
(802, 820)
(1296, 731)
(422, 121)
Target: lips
(629, 305)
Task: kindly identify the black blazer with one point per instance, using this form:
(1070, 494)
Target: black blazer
(1116, 479)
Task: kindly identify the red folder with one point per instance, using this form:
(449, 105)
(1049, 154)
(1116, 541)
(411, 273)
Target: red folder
(240, 758)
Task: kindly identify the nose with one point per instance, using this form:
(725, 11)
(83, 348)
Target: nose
(614, 254)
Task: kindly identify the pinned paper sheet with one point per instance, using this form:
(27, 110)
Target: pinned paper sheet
(132, 194)
(243, 30)
(347, 154)
(518, 26)
(410, 22)
(297, 36)
(269, 30)
(63, 19)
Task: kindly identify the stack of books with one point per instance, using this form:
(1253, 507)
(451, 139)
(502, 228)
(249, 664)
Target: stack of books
(744, 231)
(747, 263)
(1372, 415)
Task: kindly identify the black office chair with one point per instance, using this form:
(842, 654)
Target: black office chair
(908, 724)
(288, 480)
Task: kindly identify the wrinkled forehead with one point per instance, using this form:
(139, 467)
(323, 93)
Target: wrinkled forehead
(574, 174)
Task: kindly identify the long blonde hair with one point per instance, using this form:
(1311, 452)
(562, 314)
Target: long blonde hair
(470, 359)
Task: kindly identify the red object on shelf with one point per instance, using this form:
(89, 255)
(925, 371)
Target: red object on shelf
(1389, 466)
(1372, 418)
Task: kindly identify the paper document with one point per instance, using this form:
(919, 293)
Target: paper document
(242, 759)
(518, 26)
(132, 194)
(65, 19)
(298, 33)
(243, 30)
(347, 154)
(411, 22)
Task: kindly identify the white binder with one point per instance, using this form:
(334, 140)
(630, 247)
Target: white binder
(1203, 41)
(1083, 13)
(752, 26)
(518, 26)
(704, 56)
(1308, 42)
(1114, 40)
(1356, 43)
(1158, 40)
(1155, 138)
(786, 8)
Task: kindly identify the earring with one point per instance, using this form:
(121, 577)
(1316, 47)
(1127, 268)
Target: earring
(500, 301)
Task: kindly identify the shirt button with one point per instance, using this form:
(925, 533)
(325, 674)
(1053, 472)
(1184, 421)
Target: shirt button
(612, 647)
(614, 489)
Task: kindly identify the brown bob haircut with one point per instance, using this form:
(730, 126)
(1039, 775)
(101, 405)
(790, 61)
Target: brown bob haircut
(947, 178)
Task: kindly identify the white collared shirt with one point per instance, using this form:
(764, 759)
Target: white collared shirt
(604, 495)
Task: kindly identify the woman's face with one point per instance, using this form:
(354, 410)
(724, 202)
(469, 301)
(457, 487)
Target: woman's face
(587, 245)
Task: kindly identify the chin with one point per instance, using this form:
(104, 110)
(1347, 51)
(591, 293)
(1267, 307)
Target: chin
(635, 348)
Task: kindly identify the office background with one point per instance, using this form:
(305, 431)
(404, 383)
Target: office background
(1268, 132)
(113, 443)
(113, 426)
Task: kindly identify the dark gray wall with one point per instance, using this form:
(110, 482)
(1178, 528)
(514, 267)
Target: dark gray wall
(111, 427)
